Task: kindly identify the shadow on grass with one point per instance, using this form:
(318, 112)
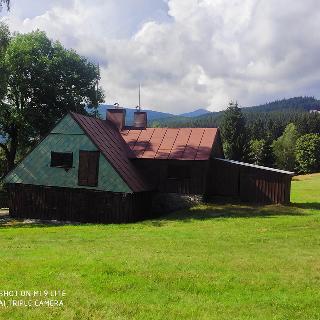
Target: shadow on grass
(204, 211)
(308, 205)
(235, 210)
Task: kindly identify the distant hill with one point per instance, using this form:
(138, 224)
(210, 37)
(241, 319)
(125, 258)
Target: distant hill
(195, 113)
(213, 119)
(296, 103)
(207, 118)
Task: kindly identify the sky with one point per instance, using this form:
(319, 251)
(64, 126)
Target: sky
(187, 53)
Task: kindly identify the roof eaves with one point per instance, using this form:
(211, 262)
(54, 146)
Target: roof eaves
(256, 166)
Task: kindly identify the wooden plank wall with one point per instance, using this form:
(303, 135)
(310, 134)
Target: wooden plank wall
(157, 173)
(262, 186)
(222, 179)
(4, 199)
(249, 184)
(66, 204)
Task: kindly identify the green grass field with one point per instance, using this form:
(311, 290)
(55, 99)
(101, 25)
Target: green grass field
(208, 262)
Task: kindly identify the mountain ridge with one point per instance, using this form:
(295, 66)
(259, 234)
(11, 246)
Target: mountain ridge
(195, 113)
(299, 104)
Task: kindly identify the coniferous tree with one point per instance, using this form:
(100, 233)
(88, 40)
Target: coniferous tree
(233, 129)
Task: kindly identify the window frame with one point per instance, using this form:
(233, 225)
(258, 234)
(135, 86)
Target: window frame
(54, 157)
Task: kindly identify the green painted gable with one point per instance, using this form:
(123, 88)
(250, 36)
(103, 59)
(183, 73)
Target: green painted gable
(67, 136)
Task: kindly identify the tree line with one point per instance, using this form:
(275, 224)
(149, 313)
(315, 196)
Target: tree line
(285, 140)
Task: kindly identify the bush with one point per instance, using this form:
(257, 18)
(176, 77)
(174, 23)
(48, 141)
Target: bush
(258, 151)
(284, 148)
(308, 153)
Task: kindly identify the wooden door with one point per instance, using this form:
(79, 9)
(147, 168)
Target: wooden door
(88, 168)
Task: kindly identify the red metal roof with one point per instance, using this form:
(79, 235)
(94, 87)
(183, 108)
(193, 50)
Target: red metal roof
(164, 143)
(109, 141)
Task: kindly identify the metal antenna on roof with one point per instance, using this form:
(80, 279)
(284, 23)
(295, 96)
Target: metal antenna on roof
(97, 85)
(138, 107)
(95, 103)
(139, 96)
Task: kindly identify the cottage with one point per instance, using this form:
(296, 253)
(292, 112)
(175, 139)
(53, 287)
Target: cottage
(93, 170)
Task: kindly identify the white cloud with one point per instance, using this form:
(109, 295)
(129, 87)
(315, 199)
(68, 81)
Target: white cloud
(188, 53)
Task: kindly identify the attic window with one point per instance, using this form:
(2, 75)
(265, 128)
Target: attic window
(61, 159)
(178, 172)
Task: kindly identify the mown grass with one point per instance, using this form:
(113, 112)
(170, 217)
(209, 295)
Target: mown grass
(208, 262)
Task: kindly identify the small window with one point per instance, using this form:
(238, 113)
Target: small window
(178, 172)
(61, 159)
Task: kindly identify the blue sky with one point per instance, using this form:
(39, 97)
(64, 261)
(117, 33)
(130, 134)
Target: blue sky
(187, 53)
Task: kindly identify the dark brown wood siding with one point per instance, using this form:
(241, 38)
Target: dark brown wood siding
(65, 204)
(4, 199)
(160, 177)
(222, 179)
(249, 184)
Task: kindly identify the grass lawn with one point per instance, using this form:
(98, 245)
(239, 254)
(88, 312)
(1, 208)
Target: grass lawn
(208, 262)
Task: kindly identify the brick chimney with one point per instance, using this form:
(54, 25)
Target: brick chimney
(117, 116)
(140, 120)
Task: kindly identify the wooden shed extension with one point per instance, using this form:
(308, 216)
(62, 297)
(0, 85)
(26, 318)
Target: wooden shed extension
(248, 182)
